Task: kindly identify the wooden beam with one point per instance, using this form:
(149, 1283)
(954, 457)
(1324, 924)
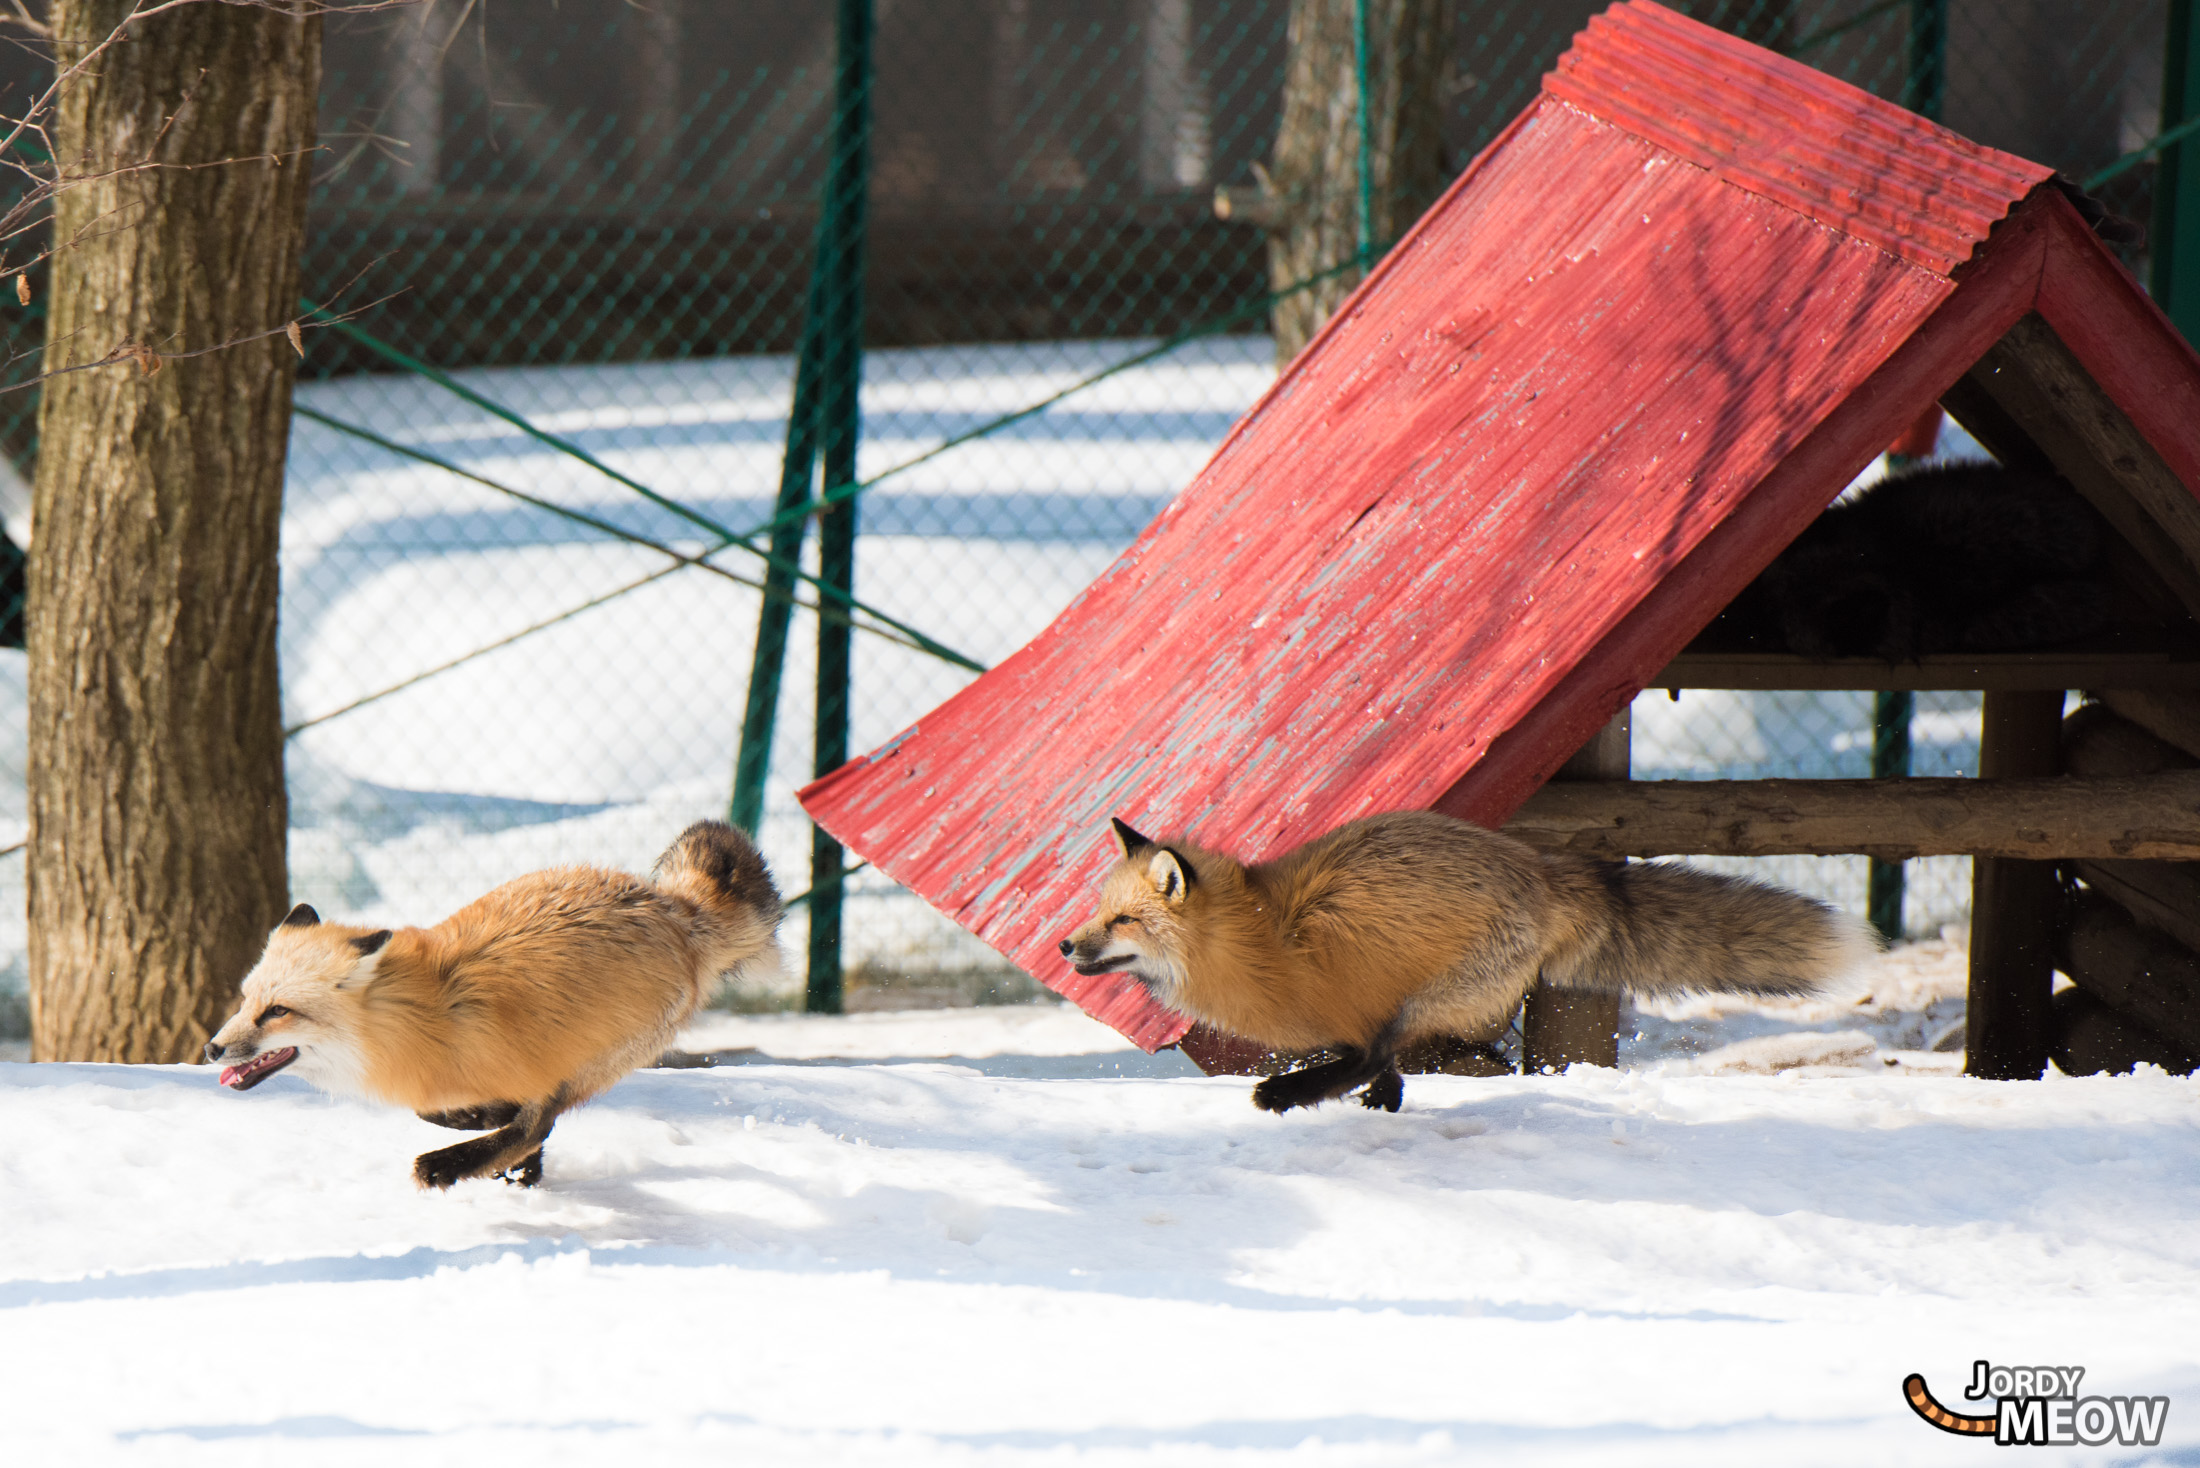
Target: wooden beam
(2039, 383)
(2174, 665)
(2127, 345)
(2133, 817)
(2163, 895)
(2013, 905)
(2134, 969)
(1558, 1029)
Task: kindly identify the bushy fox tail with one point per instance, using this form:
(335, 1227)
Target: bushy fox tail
(1662, 928)
(717, 868)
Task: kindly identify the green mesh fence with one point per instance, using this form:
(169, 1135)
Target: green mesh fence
(526, 592)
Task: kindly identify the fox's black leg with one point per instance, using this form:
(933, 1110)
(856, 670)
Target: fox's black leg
(1309, 1085)
(474, 1118)
(518, 1143)
(1386, 1092)
(1318, 1083)
(526, 1172)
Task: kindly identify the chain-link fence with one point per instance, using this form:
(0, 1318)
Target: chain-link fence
(534, 469)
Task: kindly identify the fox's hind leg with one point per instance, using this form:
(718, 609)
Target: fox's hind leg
(486, 1118)
(515, 1145)
(1376, 1067)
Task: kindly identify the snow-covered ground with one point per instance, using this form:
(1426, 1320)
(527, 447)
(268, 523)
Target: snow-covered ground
(1001, 1237)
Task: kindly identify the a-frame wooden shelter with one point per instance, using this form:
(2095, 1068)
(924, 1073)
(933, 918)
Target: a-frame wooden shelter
(1645, 338)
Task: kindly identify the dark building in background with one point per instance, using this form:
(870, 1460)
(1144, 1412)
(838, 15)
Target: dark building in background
(598, 181)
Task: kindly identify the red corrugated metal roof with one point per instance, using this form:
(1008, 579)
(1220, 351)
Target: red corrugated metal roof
(1796, 136)
(1647, 335)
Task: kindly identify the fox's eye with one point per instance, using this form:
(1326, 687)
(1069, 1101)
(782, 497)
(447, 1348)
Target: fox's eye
(1125, 921)
(273, 1011)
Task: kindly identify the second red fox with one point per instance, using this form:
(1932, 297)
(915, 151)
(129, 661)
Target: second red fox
(517, 1007)
(1410, 925)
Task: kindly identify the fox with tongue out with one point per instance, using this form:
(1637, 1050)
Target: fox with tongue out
(516, 1008)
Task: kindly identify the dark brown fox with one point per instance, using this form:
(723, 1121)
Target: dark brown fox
(1950, 558)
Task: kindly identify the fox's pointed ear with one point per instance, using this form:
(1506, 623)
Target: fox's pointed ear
(1171, 876)
(369, 949)
(302, 916)
(1126, 838)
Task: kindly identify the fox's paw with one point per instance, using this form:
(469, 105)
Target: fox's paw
(525, 1173)
(437, 1170)
(447, 1165)
(1384, 1093)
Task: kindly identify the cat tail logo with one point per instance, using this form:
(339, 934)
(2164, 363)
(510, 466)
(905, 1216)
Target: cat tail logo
(2039, 1406)
(1921, 1402)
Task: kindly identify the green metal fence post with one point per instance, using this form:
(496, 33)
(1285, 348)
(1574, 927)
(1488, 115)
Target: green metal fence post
(2175, 236)
(1925, 85)
(1924, 88)
(753, 764)
(841, 379)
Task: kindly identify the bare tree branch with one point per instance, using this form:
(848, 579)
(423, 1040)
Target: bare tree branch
(45, 178)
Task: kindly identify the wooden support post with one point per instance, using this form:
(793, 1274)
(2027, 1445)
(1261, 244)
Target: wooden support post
(1558, 1029)
(2012, 906)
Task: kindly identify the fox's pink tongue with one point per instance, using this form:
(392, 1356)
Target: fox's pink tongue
(244, 1077)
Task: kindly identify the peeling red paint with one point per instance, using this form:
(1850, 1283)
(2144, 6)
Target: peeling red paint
(1648, 334)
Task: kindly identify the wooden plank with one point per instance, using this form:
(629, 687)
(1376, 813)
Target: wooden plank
(2124, 342)
(2131, 817)
(1559, 1029)
(2135, 969)
(2175, 721)
(2001, 672)
(2039, 384)
(2007, 1019)
(2091, 1036)
(2162, 896)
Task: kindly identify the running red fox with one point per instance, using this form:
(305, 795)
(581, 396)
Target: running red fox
(517, 1007)
(1410, 925)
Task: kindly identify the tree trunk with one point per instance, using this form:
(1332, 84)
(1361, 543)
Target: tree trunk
(156, 764)
(1315, 169)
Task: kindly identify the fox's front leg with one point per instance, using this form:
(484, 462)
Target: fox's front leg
(516, 1146)
(1309, 1085)
(1375, 1067)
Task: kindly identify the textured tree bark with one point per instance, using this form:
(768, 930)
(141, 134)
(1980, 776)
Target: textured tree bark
(1314, 170)
(156, 766)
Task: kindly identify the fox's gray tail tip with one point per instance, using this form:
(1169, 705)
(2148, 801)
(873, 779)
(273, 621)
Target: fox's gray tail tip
(728, 861)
